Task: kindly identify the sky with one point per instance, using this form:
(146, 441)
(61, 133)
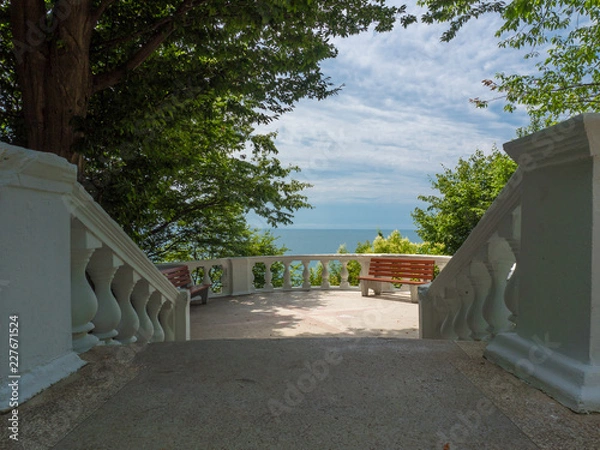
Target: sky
(403, 112)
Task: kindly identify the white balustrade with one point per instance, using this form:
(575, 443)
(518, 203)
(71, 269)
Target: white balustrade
(268, 277)
(480, 280)
(123, 284)
(123, 278)
(85, 274)
(166, 321)
(140, 298)
(285, 273)
(306, 284)
(287, 277)
(101, 269)
(84, 303)
(344, 284)
(477, 275)
(510, 230)
(453, 302)
(155, 304)
(464, 291)
(325, 284)
(534, 268)
(500, 261)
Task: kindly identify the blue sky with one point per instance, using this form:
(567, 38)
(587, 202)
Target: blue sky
(403, 112)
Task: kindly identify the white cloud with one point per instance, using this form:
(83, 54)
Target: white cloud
(403, 112)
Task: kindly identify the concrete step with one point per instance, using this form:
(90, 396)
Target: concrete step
(300, 393)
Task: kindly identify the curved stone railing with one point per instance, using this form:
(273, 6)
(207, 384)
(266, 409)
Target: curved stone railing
(131, 301)
(70, 278)
(118, 295)
(475, 297)
(236, 276)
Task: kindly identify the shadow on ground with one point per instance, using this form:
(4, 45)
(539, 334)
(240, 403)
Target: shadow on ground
(312, 313)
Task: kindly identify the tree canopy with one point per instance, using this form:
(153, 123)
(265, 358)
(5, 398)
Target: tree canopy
(562, 36)
(157, 102)
(465, 195)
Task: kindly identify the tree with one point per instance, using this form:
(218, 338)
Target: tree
(466, 193)
(563, 35)
(69, 53)
(157, 102)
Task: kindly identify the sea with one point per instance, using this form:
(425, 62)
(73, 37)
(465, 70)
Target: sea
(311, 241)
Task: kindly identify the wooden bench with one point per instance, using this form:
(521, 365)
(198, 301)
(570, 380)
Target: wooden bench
(396, 270)
(181, 278)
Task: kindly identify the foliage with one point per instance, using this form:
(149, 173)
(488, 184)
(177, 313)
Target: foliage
(188, 191)
(395, 243)
(465, 194)
(158, 101)
(563, 36)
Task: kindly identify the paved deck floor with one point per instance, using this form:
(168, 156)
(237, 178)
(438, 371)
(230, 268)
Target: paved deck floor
(320, 392)
(312, 313)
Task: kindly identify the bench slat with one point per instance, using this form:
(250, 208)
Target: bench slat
(397, 270)
(181, 278)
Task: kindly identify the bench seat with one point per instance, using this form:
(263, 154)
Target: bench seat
(181, 278)
(399, 270)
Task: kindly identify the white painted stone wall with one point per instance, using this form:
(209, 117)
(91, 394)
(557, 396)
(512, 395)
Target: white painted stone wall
(556, 343)
(35, 268)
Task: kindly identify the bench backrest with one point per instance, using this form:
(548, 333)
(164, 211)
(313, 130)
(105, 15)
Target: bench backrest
(179, 276)
(402, 268)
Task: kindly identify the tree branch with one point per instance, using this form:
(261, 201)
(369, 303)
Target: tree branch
(103, 6)
(130, 37)
(163, 28)
(191, 208)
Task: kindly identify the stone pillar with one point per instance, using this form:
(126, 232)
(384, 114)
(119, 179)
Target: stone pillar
(35, 269)
(241, 276)
(181, 316)
(556, 343)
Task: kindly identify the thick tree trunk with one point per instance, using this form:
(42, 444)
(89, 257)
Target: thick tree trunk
(53, 68)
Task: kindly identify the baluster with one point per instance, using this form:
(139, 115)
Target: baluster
(453, 307)
(344, 284)
(166, 320)
(206, 275)
(481, 281)
(511, 231)
(123, 284)
(287, 278)
(140, 296)
(102, 268)
(325, 273)
(154, 306)
(438, 320)
(464, 291)
(306, 274)
(268, 276)
(84, 303)
(500, 262)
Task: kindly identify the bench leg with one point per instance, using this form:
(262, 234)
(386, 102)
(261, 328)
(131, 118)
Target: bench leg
(378, 287)
(364, 288)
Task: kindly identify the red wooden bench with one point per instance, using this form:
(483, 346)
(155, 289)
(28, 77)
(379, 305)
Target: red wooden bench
(181, 278)
(396, 270)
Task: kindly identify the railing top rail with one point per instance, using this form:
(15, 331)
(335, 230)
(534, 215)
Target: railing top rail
(99, 223)
(506, 202)
(309, 256)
